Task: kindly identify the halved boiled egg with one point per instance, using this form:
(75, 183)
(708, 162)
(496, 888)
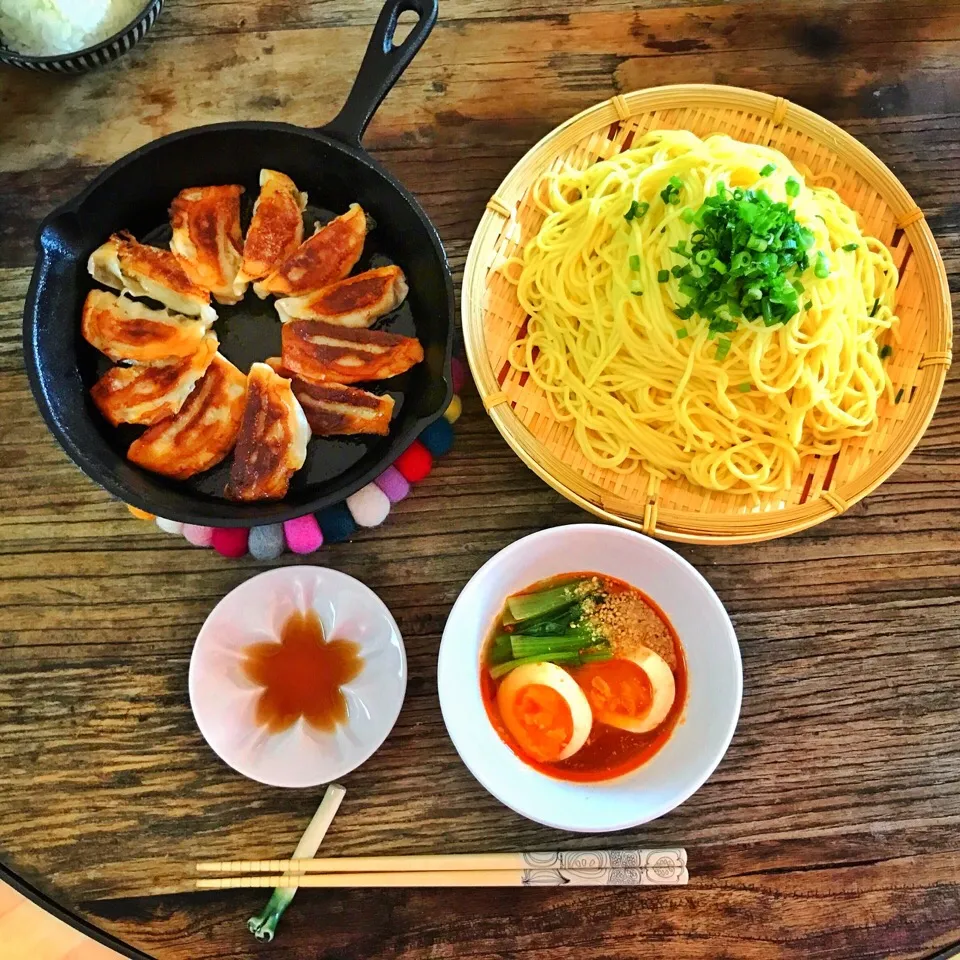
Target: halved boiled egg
(545, 711)
(632, 693)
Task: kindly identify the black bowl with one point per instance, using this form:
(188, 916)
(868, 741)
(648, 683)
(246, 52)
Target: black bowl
(91, 57)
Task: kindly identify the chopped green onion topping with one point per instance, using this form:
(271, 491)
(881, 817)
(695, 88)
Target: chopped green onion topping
(688, 214)
(723, 348)
(637, 293)
(767, 170)
(634, 262)
(808, 305)
(663, 276)
(876, 307)
(850, 247)
(745, 259)
(792, 187)
(885, 351)
(682, 332)
(744, 388)
(899, 396)
(822, 267)
(636, 211)
(671, 192)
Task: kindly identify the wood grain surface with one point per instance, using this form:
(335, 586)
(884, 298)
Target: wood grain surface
(831, 829)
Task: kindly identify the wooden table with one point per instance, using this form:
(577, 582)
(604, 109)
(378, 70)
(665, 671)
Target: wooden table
(831, 829)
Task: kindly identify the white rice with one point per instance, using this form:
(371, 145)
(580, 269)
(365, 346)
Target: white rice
(51, 27)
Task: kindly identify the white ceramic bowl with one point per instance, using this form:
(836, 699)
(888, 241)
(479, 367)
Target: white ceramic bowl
(224, 700)
(715, 678)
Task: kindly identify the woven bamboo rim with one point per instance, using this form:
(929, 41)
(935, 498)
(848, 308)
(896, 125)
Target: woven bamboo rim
(676, 510)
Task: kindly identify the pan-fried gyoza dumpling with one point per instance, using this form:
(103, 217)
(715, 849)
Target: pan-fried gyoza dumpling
(334, 409)
(125, 329)
(208, 240)
(329, 255)
(272, 445)
(323, 352)
(354, 302)
(145, 271)
(148, 393)
(202, 433)
(276, 229)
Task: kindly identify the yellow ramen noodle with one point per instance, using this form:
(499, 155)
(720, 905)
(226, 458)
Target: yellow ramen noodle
(641, 386)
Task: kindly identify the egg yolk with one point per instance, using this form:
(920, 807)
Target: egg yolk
(543, 722)
(617, 687)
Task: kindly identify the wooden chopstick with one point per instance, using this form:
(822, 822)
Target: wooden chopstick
(593, 868)
(448, 878)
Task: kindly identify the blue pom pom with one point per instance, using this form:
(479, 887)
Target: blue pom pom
(438, 437)
(336, 523)
(267, 543)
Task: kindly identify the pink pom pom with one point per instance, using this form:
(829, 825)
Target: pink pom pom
(303, 534)
(197, 535)
(458, 374)
(231, 542)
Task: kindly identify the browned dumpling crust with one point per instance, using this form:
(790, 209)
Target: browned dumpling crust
(354, 302)
(202, 433)
(149, 393)
(272, 445)
(208, 240)
(329, 255)
(318, 351)
(276, 229)
(125, 329)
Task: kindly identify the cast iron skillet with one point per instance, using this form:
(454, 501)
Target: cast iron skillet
(135, 193)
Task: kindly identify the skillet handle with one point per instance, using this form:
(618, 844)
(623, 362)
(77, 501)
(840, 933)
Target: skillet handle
(381, 68)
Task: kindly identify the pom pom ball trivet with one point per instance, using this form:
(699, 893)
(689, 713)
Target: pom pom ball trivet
(230, 542)
(267, 542)
(303, 534)
(394, 484)
(415, 463)
(368, 507)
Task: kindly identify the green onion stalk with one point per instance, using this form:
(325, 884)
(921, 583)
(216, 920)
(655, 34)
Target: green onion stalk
(264, 925)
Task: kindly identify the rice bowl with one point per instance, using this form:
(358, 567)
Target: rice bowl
(71, 36)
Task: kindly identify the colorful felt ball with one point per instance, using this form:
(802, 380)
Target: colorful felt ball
(197, 535)
(337, 523)
(231, 542)
(452, 413)
(438, 437)
(369, 506)
(415, 462)
(303, 534)
(140, 514)
(393, 483)
(267, 542)
(170, 526)
(458, 374)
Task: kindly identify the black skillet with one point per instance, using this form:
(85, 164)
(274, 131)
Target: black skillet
(135, 193)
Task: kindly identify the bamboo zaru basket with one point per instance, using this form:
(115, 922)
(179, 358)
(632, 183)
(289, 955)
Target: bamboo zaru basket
(678, 510)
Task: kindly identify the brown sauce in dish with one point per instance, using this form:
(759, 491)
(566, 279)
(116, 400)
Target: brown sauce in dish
(633, 620)
(302, 675)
